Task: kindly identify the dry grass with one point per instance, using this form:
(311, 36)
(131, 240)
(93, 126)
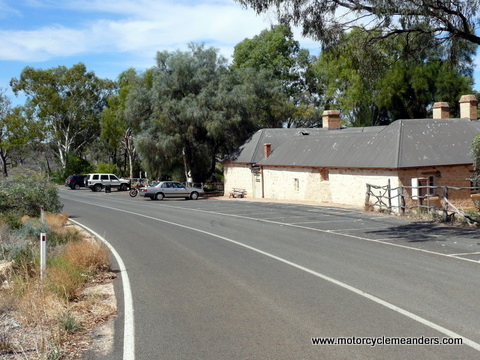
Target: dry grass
(39, 307)
(79, 261)
(49, 319)
(88, 255)
(56, 221)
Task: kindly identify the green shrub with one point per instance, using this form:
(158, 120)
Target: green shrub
(68, 322)
(23, 195)
(32, 228)
(76, 165)
(12, 246)
(11, 218)
(58, 177)
(16, 251)
(106, 168)
(57, 238)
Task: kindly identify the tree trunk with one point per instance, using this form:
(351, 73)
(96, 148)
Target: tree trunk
(3, 159)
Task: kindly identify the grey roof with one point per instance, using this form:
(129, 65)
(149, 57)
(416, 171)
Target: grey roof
(252, 150)
(402, 144)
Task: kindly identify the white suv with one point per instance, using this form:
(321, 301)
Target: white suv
(96, 182)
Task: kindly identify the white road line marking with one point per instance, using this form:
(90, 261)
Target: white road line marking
(359, 228)
(467, 253)
(129, 324)
(310, 222)
(335, 232)
(364, 294)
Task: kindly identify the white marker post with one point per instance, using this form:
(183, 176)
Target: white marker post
(43, 254)
(42, 214)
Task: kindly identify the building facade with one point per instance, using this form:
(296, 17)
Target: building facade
(335, 165)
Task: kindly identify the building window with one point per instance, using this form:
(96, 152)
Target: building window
(475, 185)
(296, 184)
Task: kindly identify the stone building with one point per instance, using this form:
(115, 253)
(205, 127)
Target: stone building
(334, 165)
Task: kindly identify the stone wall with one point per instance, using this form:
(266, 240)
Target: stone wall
(296, 184)
(349, 186)
(342, 186)
(237, 176)
(453, 176)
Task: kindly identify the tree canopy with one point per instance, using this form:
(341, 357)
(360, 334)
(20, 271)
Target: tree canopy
(182, 112)
(18, 129)
(375, 84)
(275, 51)
(68, 102)
(327, 20)
(117, 128)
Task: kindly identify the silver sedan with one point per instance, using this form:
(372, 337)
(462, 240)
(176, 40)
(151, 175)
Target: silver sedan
(171, 189)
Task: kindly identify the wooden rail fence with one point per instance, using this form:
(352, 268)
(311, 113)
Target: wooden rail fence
(427, 198)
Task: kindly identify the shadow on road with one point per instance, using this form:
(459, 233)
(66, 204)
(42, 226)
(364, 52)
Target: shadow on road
(423, 232)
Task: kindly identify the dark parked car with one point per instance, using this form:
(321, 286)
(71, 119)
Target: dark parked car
(76, 181)
(171, 189)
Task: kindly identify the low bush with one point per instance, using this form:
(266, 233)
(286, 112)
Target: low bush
(25, 194)
(106, 168)
(68, 322)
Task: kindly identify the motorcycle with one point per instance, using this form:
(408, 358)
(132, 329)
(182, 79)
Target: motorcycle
(134, 190)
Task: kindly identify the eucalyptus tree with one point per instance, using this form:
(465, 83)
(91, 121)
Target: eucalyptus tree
(117, 128)
(328, 20)
(276, 51)
(375, 83)
(19, 132)
(69, 102)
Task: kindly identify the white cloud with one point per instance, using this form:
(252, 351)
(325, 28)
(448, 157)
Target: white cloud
(143, 26)
(41, 44)
(110, 36)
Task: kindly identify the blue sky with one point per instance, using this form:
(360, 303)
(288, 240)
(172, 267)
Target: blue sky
(110, 36)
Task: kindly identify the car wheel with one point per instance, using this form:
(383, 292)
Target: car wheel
(194, 195)
(98, 187)
(122, 187)
(77, 187)
(158, 196)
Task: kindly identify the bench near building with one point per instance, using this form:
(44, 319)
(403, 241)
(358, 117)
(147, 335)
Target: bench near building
(335, 165)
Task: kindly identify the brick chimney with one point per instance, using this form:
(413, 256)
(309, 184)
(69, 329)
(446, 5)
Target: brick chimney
(441, 110)
(468, 107)
(267, 149)
(331, 119)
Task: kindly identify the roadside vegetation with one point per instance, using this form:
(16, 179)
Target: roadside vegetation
(49, 317)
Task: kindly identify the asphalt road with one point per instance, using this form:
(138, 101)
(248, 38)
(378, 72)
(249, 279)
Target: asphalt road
(238, 279)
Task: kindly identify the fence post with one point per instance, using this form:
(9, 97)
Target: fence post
(389, 193)
(402, 200)
(367, 196)
(445, 204)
